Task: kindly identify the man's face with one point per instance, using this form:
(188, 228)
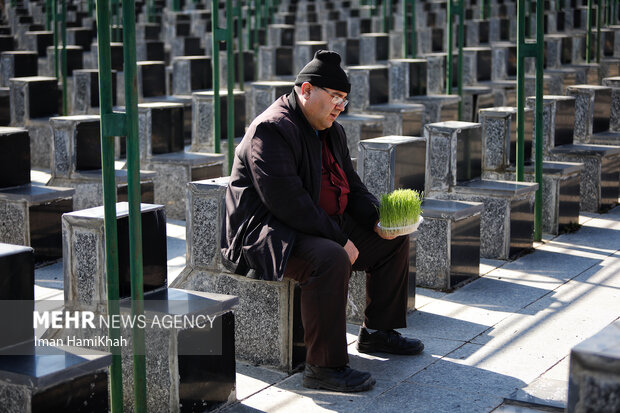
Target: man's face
(321, 111)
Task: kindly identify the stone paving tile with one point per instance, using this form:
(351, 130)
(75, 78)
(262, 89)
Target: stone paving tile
(565, 317)
(416, 397)
(290, 396)
(496, 294)
(452, 321)
(386, 367)
(251, 380)
(481, 370)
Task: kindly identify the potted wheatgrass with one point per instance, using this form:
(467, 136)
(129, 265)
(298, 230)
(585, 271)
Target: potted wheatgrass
(399, 212)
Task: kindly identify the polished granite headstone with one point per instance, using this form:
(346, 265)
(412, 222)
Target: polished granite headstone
(266, 324)
(16, 294)
(76, 162)
(203, 108)
(407, 77)
(275, 63)
(17, 64)
(150, 50)
(453, 172)
(504, 61)
(151, 80)
(39, 41)
(499, 142)
(32, 97)
(34, 377)
(614, 115)
(592, 110)
(14, 157)
(374, 48)
(186, 46)
(477, 32)
(263, 94)
(599, 177)
(80, 36)
(446, 247)
(75, 59)
(303, 52)
(162, 150)
(594, 376)
(446, 250)
(190, 73)
(359, 127)
(203, 359)
(30, 213)
(86, 91)
(7, 42)
(561, 180)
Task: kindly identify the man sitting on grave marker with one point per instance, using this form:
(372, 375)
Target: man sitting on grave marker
(296, 208)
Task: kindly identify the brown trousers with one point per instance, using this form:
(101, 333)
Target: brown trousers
(322, 268)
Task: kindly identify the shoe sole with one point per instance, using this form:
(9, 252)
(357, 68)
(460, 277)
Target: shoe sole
(320, 385)
(370, 348)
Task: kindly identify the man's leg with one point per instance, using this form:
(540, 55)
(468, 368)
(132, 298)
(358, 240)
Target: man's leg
(386, 263)
(322, 268)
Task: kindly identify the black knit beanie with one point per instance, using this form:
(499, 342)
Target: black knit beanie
(325, 71)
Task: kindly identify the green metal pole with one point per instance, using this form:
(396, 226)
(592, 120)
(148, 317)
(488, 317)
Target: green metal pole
(215, 62)
(461, 43)
(449, 59)
(598, 31)
(230, 77)
(521, 89)
(135, 217)
(540, 55)
(63, 31)
(55, 39)
(239, 14)
(483, 9)
(109, 199)
(409, 43)
(48, 14)
(588, 30)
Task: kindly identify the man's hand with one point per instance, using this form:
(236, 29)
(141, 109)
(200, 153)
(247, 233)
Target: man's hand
(381, 233)
(351, 250)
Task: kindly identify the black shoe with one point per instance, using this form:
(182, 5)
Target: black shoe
(387, 341)
(342, 379)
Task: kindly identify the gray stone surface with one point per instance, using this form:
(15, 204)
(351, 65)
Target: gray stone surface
(174, 171)
(433, 269)
(441, 141)
(264, 93)
(591, 156)
(203, 111)
(359, 127)
(614, 118)
(303, 52)
(439, 108)
(595, 372)
(586, 101)
(496, 124)
(14, 223)
(378, 159)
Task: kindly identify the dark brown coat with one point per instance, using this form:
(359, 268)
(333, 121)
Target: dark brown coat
(274, 191)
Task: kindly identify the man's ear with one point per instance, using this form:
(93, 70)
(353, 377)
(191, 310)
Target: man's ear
(306, 87)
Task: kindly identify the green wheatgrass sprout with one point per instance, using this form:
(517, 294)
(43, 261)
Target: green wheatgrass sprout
(400, 208)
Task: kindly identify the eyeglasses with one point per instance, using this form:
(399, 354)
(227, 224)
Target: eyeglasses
(336, 100)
